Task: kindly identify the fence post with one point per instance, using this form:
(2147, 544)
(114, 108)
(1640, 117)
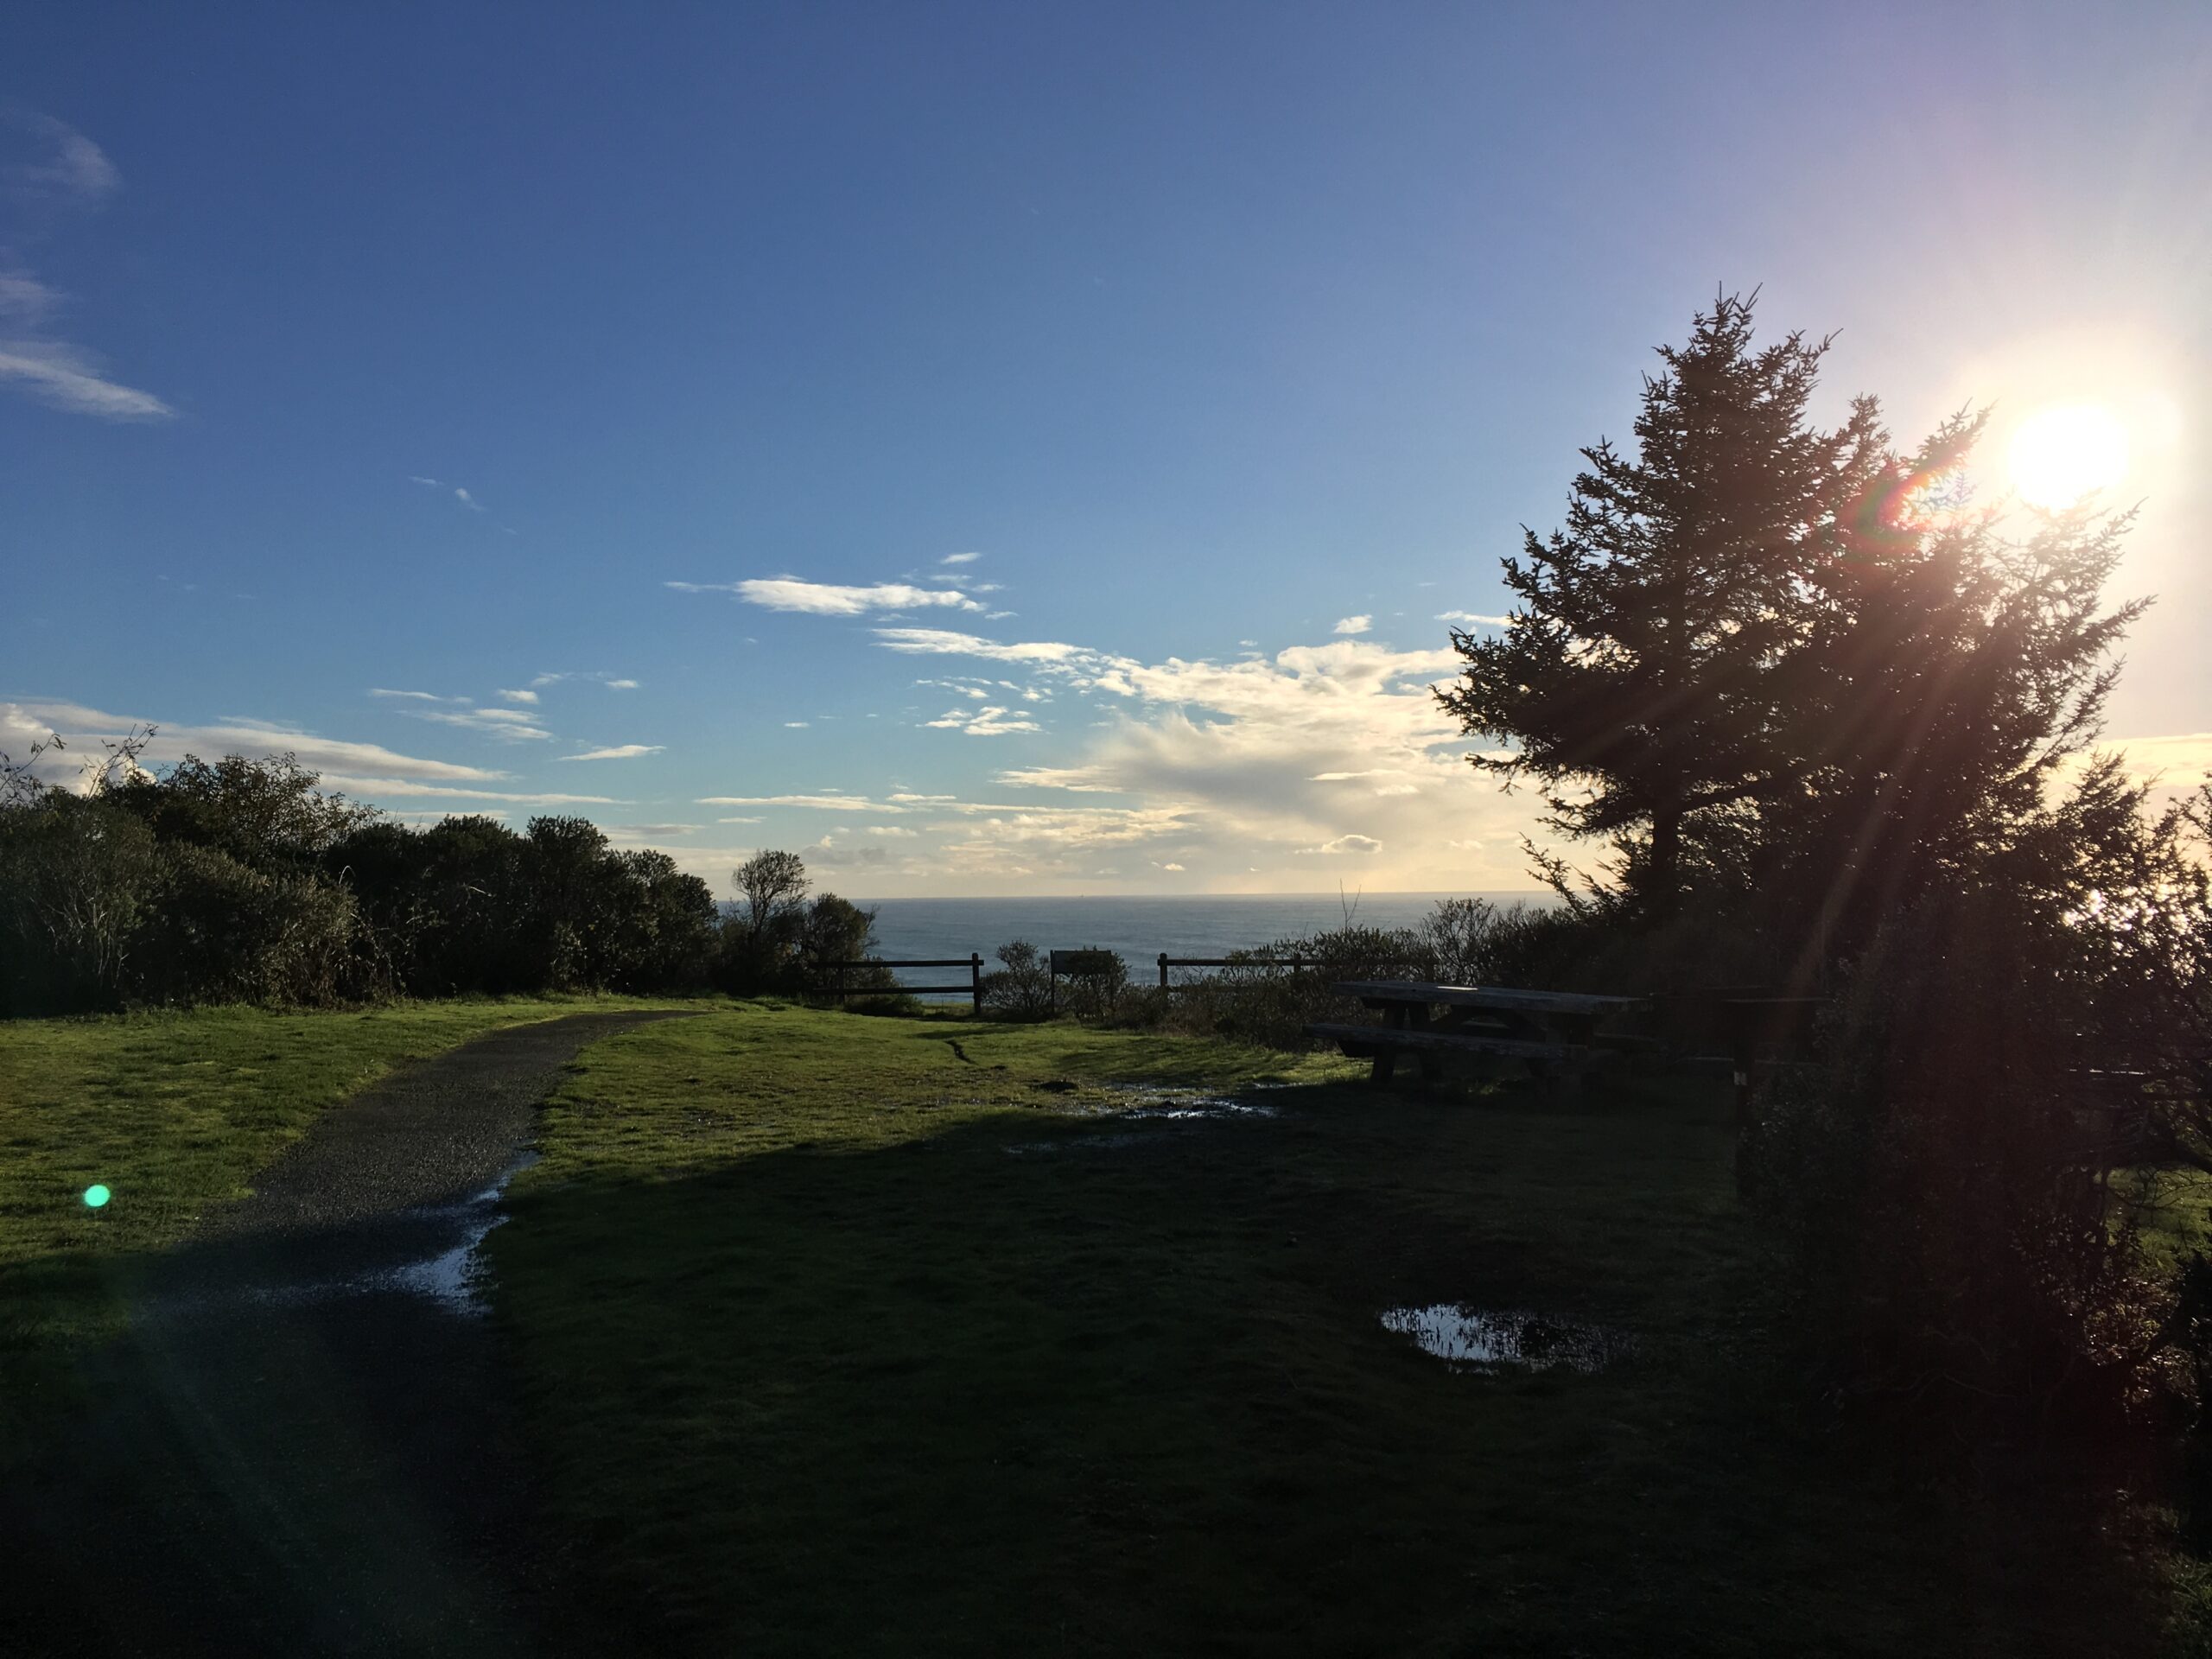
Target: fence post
(1163, 971)
(976, 979)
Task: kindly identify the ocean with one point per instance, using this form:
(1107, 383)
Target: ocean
(1138, 929)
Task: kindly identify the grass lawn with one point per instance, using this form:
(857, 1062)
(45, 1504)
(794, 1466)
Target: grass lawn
(843, 1334)
(173, 1113)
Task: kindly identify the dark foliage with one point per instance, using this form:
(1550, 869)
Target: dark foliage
(1262, 998)
(1642, 654)
(2018, 1059)
(780, 944)
(1020, 987)
(1791, 670)
(242, 880)
(1829, 718)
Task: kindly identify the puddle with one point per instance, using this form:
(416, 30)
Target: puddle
(430, 1253)
(1183, 1105)
(1146, 1105)
(1495, 1339)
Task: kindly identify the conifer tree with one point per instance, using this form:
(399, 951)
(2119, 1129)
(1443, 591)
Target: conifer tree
(1638, 676)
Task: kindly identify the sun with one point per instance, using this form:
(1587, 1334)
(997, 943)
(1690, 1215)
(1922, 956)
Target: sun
(2062, 454)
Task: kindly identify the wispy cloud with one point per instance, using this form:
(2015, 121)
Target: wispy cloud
(1366, 845)
(69, 377)
(1471, 618)
(987, 721)
(1351, 625)
(24, 298)
(832, 598)
(41, 157)
(459, 493)
(821, 802)
(960, 558)
(519, 695)
(84, 729)
(945, 642)
(375, 788)
(619, 751)
(63, 161)
(508, 725)
(613, 682)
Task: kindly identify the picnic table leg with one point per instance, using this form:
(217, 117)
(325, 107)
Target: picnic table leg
(1386, 1057)
(1740, 1049)
(1572, 1031)
(1431, 1063)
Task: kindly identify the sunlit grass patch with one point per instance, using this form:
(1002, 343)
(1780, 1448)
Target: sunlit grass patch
(168, 1115)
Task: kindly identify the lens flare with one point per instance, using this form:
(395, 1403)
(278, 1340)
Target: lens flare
(2061, 454)
(96, 1195)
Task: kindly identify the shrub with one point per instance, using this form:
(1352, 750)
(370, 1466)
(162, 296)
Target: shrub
(1099, 991)
(1944, 1182)
(76, 876)
(1020, 987)
(219, 931)
(1260, 998)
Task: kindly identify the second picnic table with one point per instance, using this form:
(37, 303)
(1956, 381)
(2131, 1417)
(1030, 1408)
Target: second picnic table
(1552, 1030)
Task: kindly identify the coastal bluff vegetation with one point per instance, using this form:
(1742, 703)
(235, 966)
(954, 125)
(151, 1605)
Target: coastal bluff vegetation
(1806, 721)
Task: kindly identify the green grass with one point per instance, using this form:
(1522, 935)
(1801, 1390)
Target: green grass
(837, 1338)
(173, 1112)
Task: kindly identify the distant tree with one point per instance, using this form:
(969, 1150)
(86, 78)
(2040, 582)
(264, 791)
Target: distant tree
(1020, 988)
(1636, 679)
(575, 900)
(665, 925)
(771, 884)
(835, 930)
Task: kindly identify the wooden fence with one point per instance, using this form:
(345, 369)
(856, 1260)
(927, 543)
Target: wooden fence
(972, 963)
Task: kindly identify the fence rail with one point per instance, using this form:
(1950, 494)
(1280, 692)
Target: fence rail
(974, 989)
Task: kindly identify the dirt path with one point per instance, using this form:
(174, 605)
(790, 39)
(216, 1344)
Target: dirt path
(308, 1445)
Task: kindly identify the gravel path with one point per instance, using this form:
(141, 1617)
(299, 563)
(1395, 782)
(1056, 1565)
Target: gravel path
(307, 1445)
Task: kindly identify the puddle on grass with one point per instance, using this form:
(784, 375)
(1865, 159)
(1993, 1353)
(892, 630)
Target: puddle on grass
(1495, 1339)
(1146, 1105)
(1185, 1105)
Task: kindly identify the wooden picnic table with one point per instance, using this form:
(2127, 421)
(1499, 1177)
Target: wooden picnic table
(1552, 1030)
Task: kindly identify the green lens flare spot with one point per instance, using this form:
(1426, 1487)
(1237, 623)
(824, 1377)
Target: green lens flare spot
(96, 1195)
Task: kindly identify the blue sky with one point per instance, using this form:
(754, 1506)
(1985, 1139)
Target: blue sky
(1234, 343)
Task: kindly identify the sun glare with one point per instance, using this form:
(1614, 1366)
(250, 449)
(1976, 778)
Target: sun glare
(2061, 454)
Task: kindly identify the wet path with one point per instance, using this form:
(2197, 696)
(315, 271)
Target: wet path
(307, 1444)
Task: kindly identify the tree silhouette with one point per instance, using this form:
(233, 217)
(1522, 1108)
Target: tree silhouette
(1637, 677)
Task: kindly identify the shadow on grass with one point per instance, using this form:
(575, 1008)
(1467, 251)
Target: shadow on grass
(250, 1471)
(1118, 1386)
(1123, 1389)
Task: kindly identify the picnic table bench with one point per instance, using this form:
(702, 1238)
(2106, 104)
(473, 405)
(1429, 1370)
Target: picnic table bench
(1555, 1031)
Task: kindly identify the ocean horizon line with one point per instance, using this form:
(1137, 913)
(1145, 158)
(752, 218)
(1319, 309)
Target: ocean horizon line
(1039, 897)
